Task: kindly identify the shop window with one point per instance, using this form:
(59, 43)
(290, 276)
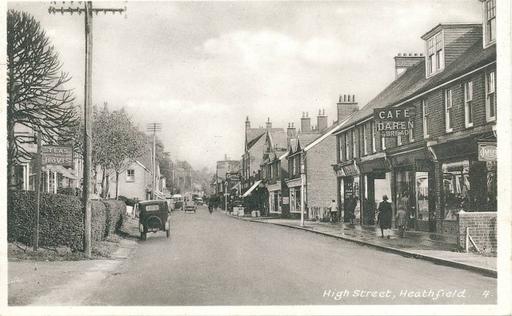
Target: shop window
(468, 104)
(490, 96)
(471, 187)
(448, 107)
(490, 22)
(130, 175)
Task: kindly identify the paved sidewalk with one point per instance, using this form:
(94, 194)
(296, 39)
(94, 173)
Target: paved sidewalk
(440, 249)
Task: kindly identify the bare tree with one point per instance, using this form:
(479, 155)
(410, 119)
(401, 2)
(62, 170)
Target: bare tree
(36, 96)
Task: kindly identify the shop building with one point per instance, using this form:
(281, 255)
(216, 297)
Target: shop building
(446, 161)
(256, 141)
(310, 156)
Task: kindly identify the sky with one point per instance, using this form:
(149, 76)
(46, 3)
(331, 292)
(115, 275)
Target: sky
(200, 68)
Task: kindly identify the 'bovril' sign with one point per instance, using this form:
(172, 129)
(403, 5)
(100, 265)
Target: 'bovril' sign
(394, 121)
(57, 155)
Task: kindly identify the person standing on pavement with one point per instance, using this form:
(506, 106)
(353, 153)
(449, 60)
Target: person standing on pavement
(384, 216)
(333, 208)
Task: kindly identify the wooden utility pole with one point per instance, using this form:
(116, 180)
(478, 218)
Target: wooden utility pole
(38, 191)
(154, 127)
(88, 11)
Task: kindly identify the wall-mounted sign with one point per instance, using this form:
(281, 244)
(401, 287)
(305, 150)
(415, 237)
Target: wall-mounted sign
(57, 155)
(394, 121)
(350, 170)
(487, 152)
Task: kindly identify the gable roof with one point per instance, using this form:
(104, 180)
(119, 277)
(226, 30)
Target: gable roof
(278, 137)
(413, 82)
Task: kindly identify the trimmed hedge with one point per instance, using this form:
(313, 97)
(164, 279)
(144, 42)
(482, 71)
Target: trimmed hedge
(116, 211)
(60, 219)
(99, 220)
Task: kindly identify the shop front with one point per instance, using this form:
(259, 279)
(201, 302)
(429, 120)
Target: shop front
(375, 183)
(348, 191)
(468, 170)
(413, 187)
(295, 197)
(274, 198)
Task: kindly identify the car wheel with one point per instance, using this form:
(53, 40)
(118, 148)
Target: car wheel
(168, 233)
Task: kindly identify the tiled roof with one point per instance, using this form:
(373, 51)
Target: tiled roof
(306, 138)
(278, 137)
(413, 81)
(253, 136)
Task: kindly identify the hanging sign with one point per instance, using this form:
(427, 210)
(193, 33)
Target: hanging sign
(487, 151)
(394, 121)
(57, 155)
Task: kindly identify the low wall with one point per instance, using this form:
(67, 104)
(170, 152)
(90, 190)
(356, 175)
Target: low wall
(482, 228)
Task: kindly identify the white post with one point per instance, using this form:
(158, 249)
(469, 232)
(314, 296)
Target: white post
(302, 199)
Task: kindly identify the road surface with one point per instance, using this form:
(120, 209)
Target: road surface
(219, 260)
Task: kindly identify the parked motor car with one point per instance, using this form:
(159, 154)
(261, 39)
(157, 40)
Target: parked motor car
(153, 217)
(199, 201)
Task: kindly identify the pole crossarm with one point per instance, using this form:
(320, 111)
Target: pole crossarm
(80, 10)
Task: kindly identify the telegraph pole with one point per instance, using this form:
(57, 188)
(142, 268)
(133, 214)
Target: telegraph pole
(154, 127)
(87, 9)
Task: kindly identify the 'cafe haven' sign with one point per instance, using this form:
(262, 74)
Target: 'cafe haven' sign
(394, 121)
(57, 155)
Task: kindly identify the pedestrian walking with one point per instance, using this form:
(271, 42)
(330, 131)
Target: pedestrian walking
(401, 221)
(384, 215)
(333, 208)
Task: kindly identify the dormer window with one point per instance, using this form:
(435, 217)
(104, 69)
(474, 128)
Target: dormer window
(435, 54)
(489, 22)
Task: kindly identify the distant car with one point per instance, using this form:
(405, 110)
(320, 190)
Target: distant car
(153, 217)
(190, 206)
(199, 201)
(178, 201)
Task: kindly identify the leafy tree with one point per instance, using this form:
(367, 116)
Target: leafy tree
(36, 93)
(116, 143)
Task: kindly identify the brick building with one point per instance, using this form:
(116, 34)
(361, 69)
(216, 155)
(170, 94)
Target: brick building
(446, 161)
(310, 157)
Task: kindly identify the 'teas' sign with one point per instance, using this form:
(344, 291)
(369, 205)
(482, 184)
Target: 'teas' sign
(57, 155)
(394, 121)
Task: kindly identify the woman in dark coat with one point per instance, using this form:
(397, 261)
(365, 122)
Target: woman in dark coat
(385, 215)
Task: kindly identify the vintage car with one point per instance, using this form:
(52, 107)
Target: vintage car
(178, 202)
(190, 206)
(153, 217)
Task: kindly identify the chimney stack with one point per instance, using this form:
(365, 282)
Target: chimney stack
(305, 123)
(346, 106)
(321, 120)
(291, 132)
(247, 123)
(268, 124)
(404, 61)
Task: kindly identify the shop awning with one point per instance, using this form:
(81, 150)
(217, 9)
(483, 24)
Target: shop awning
(378, 164)
(251, 188)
